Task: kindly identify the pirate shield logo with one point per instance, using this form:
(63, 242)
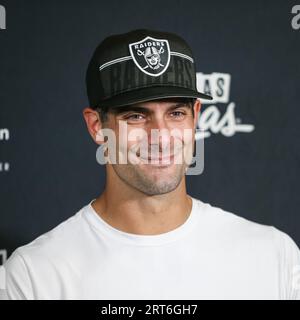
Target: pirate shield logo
(152, 56)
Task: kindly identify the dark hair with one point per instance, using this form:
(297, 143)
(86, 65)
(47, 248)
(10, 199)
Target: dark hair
(103, 111)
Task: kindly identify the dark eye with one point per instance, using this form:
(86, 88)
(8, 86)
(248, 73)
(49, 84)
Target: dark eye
(134, 117)
(177, 114)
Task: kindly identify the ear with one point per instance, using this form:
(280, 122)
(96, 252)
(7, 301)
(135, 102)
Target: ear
(197, 108)
(94, 124)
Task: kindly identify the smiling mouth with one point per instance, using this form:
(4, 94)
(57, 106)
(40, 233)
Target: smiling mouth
(158, 160)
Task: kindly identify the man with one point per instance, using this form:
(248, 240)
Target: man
(144, 237)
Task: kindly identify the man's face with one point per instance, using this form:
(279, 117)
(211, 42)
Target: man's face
(157, 160)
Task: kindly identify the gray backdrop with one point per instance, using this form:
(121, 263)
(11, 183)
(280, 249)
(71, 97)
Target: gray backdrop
(247, 56)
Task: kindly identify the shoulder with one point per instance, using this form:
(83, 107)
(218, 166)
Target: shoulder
(35, 265)
(238, 226)
(260, 241)
(231, 224)
(64, 235)
(41, 257)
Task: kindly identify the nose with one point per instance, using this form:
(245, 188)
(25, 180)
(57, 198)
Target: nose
(159, 133)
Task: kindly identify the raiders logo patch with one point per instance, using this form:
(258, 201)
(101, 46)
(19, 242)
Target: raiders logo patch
(152, 56)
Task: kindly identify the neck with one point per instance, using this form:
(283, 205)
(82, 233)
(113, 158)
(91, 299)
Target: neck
(132, 211)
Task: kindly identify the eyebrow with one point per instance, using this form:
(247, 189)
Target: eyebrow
(139, 108)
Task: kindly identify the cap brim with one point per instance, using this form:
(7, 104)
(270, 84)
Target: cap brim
(151, 93)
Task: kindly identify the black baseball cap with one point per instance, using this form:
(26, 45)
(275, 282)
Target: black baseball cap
(141, 65)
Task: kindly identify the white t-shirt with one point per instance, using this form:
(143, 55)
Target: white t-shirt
(214, 254)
